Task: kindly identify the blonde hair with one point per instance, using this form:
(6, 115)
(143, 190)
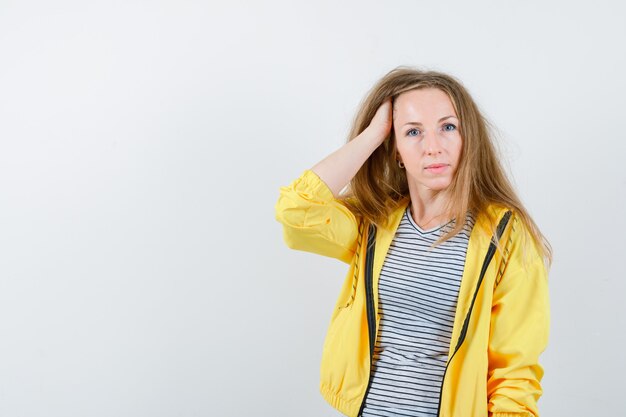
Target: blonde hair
(479, 181)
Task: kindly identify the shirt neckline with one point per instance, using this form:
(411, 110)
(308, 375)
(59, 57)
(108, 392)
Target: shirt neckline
(407, 213)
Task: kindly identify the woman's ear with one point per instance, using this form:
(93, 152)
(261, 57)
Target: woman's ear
(395, 153)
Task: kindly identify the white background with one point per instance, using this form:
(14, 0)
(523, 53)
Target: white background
(142, 145)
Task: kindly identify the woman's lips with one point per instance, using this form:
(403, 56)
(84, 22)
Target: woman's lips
(436, 168)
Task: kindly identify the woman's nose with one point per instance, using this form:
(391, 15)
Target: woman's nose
(431, 144)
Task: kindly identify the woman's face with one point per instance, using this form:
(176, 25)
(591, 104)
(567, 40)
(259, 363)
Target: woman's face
(427, 138)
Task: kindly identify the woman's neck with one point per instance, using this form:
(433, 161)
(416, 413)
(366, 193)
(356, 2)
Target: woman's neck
(429, 208)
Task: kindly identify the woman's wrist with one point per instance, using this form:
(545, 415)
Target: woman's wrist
(373, 136)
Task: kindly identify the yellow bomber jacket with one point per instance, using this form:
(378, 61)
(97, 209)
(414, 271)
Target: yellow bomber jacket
(501, 321)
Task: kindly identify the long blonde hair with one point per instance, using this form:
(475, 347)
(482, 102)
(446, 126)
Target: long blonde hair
(479, 181)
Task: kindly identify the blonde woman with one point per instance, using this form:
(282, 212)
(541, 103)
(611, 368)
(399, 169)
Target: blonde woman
(444, 310)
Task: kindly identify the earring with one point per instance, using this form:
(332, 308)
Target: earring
(401, 164)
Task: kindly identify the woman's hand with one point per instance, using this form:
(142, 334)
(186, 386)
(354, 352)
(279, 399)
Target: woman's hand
(382, 122)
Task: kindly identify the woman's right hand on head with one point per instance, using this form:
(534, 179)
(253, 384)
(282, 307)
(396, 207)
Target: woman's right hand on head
(382, 122)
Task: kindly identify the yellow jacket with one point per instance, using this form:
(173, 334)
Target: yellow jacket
(501, 322)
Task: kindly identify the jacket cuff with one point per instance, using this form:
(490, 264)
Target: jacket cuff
(311, 187)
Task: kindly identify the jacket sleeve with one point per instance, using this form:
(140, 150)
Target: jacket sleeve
(520, 321)
(314, 220)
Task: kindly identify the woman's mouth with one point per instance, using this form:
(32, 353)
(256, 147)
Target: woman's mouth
(436, 168)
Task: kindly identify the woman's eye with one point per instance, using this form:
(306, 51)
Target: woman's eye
(412, 132)
(445, 127)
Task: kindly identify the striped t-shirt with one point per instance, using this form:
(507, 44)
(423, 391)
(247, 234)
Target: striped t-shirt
(418, 291)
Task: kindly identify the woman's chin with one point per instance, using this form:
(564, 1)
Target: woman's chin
(436, 186)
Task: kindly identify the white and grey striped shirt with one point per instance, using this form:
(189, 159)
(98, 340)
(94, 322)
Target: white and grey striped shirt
(418, 291)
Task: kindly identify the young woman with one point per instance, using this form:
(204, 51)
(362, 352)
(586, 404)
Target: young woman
(445, 310)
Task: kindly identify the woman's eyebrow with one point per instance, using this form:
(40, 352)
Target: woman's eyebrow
(419, 124)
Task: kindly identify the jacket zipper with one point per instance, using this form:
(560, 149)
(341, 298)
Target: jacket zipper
(369, 291)
(490, 252)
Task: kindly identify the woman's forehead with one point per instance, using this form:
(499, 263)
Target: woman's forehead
(426, 103)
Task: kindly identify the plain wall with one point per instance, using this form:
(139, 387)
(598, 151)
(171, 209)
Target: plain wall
(142, 145)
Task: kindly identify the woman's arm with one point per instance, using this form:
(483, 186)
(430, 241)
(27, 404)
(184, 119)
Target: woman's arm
(338, 168)
(313, 219)
(520, 322)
